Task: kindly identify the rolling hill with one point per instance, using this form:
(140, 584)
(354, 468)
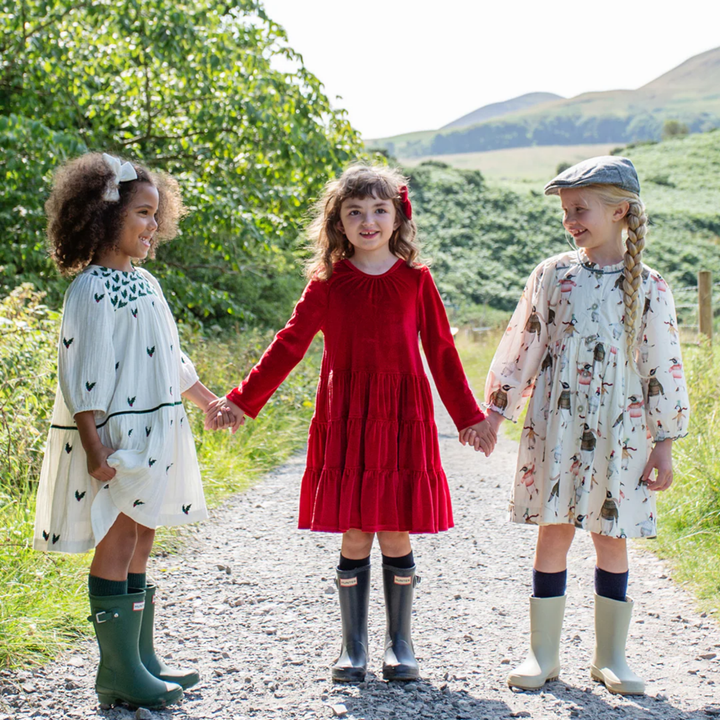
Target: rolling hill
(689, 93)
(495, 110)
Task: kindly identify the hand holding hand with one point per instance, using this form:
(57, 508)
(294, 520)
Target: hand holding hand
(221, 413)
(482, 436)
(97, 465)
(660, 460)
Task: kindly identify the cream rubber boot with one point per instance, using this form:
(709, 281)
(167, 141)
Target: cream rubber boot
(609, 666)
(543, 661)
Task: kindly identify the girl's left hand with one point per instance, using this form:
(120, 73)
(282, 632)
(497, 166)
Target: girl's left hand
(660, 460)
(222, 413)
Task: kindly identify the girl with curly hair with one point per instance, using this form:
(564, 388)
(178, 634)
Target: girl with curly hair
(120, 458)
(373, 460)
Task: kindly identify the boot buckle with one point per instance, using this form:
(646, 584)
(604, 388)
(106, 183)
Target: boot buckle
(100, 617)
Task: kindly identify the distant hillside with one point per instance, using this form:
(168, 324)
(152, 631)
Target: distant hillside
(689, 93)
(495, 110)
(484, 239)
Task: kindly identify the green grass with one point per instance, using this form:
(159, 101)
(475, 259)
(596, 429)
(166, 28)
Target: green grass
(43, 599)
(689, 512)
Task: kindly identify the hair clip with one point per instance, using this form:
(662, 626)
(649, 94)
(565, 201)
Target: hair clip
(405, 201)
(123, 173)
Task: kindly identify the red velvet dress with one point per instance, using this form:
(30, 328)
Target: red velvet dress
(373, 460)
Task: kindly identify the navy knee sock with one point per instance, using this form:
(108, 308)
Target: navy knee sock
(404, 562)
(348, 564)
(100, 587)
(611, 585)
(547, 585)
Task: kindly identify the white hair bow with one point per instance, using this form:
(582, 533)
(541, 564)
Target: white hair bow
(123, 172)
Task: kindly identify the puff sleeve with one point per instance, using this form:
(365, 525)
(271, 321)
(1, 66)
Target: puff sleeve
(519, 356)
(86, 355)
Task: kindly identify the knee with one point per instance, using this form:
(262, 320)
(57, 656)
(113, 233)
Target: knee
(357, 542)
(394, 544)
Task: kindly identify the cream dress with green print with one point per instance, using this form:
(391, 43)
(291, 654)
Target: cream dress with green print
(592, 418)
(119, 356)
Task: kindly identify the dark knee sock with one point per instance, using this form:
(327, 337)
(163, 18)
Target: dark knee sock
(401, 563)
(137, 580)
(348, 564)
(547, 585)
(611, 585)
(100, 587)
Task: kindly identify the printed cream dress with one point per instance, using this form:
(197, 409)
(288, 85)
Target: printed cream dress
(119, 356)
(592, 418)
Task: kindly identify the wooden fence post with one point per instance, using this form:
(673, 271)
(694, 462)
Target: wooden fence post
(705, 314)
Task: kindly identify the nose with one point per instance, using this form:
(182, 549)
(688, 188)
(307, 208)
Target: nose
(153, 226)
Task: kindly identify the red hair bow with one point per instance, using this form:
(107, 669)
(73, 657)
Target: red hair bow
(405, 201)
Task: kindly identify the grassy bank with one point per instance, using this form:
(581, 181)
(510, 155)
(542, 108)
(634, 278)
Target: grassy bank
(689, 512)
(43, 604)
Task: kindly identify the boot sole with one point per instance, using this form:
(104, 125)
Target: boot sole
(598, 677)
(400, 673)
(107, 701)
(533, 686)
(351, 675)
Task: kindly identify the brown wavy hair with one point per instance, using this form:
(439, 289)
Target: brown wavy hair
(329, 245)
(81, 223)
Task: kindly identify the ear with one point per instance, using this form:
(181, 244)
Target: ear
(621, 211)
(340, 227)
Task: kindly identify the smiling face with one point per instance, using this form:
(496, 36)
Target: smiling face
(593, 224)
(139, 224)
(368, 223)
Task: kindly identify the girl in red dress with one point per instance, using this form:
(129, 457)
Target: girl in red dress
(373, 463)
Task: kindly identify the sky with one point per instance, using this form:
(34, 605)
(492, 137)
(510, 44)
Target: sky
(400, 67)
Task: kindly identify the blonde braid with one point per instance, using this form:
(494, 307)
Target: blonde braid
(635, 244)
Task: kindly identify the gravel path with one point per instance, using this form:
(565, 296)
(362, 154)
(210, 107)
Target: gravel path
(252, 603)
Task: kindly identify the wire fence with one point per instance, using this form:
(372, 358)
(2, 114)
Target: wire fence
(687, 306)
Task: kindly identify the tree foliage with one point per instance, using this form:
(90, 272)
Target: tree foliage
(209, 92)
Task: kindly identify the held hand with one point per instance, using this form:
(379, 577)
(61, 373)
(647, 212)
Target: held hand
(222, 413)
(97, 463)
(481, 436)
(660, 460)
(495, 419)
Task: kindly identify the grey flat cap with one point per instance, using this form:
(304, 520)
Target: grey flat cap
(603, 170)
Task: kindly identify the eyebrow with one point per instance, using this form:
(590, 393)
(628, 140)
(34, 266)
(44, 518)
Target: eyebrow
(377, 204)
(143, 206)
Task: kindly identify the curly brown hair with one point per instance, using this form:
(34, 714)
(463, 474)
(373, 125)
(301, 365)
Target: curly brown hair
(360, 181)
(81, 223)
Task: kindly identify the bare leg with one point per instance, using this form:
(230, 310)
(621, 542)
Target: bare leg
(115, 551)
(394, 544)
(145, 538)
(611, 553)
(356, 544)
(553, 544)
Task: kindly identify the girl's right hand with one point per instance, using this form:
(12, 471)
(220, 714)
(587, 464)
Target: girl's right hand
(97, 465)
(222, 413)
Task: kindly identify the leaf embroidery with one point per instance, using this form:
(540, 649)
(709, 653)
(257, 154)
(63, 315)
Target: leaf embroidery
(186, 508)
(79, 495)
(55, 538)
(98, 298)
(151, 462)
(114, 300)
(150, 351)
(46, 535)
(171, 389)
(138, 502)
(147, 431)
(106, 487)
(131, 401)
(90, 385)
(116, 288)
(167, 468)
(68, 448)
(117, 365)
(130, 432)
(134, 312)
(121, 304)
(68, 343)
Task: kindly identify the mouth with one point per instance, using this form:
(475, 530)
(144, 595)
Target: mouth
(144, 240)
(369, 234)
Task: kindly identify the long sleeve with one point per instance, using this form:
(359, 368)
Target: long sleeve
(521, 351)
(86, 356)
(285, 351)
(660, 365)
(443, 358)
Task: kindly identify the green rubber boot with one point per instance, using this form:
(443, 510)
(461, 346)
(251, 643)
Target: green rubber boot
(184, 678)
(121, 676)
(609, 666)
(399, 662)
